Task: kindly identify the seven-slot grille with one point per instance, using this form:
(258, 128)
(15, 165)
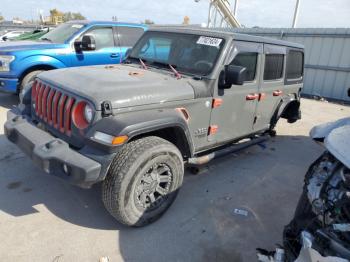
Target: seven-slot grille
(53, 106)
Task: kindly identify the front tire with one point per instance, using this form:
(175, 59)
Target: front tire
(143, 181)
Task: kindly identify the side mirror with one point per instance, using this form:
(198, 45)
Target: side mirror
(86, 44)
(233, 75)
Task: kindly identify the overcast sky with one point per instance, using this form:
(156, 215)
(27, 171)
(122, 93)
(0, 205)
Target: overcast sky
(263, 13)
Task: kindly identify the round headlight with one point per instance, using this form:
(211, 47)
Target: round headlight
(88, 113)
(82, 115)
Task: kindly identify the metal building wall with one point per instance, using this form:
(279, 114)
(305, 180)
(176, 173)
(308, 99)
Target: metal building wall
(327, 57)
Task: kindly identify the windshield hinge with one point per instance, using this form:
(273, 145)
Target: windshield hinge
(106, 108)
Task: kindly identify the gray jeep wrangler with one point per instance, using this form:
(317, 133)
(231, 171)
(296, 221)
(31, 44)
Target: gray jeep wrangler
(181, 96)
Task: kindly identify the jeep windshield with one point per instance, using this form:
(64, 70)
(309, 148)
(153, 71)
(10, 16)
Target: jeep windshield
(188, 53)
(62, 33)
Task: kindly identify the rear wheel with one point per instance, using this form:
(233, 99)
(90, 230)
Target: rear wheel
(143, 181)
(27, 79)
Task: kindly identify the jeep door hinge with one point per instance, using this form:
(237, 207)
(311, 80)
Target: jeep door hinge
(107, 109)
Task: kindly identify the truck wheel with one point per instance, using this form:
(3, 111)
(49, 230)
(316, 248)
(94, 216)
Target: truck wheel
(27, 79)
(143, 181)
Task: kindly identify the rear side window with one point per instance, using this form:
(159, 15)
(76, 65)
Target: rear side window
(273, 66)
(128, 36)
(249, 61)
(295, 64)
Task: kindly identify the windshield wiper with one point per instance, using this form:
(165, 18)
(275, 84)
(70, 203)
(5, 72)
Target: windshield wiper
(143, 64)
(176, 73)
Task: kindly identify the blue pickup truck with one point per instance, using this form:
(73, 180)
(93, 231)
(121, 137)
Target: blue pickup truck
(76, 43)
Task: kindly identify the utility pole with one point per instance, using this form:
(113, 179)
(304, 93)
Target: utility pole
(296, 11)
(235, 8)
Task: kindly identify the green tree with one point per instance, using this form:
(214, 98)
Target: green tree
(69, 16)
(148, 22)
(55, 12)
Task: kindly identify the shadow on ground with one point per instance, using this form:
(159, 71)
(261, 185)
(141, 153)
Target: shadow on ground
(264, 180)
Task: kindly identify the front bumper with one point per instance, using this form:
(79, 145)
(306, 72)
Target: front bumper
(53, 155)
(8, 85)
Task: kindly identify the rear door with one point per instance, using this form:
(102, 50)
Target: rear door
(126, 37)
(272, 85)
(233, 111)
(106, 52)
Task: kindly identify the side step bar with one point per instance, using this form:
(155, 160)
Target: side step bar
(227, 150)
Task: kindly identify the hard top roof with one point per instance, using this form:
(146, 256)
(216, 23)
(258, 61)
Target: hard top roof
(223, 33)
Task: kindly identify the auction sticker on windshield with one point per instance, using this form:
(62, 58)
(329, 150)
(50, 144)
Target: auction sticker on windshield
(210, 41)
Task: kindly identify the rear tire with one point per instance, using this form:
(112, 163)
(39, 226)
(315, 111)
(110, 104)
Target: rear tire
(27, 79)
(143, 181)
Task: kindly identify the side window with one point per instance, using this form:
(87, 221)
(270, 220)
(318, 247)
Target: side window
(295, 64)
(249, 61)
(103, 37)
(128, 36)
(273, 66)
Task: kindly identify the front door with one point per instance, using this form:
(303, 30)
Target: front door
(233, 111)
(106, 52)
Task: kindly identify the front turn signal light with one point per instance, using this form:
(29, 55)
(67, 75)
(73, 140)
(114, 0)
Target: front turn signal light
(108, 139)
(119, 140)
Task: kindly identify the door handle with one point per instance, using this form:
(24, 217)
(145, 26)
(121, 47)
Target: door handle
(115, 55)
(277, 93)
(252, 97)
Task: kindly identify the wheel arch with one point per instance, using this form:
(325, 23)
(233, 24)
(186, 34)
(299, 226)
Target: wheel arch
(43, 67)
(291, 111)
(174, 134)
(287, 108)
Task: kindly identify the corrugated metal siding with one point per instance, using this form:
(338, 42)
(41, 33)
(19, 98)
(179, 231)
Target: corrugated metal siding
(327, 57)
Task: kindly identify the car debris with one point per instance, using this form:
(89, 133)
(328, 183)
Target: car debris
(320, 229)
(240, 212)
(104, 259)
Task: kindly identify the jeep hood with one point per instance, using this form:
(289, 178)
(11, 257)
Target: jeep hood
(336, 137)
(13, 46)
(122, 85)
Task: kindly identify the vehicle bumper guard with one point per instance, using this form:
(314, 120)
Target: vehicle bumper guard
(53, 155)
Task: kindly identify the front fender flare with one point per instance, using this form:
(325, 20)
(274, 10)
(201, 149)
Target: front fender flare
(140, 122)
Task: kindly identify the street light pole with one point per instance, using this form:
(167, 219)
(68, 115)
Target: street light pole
(296, 11)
